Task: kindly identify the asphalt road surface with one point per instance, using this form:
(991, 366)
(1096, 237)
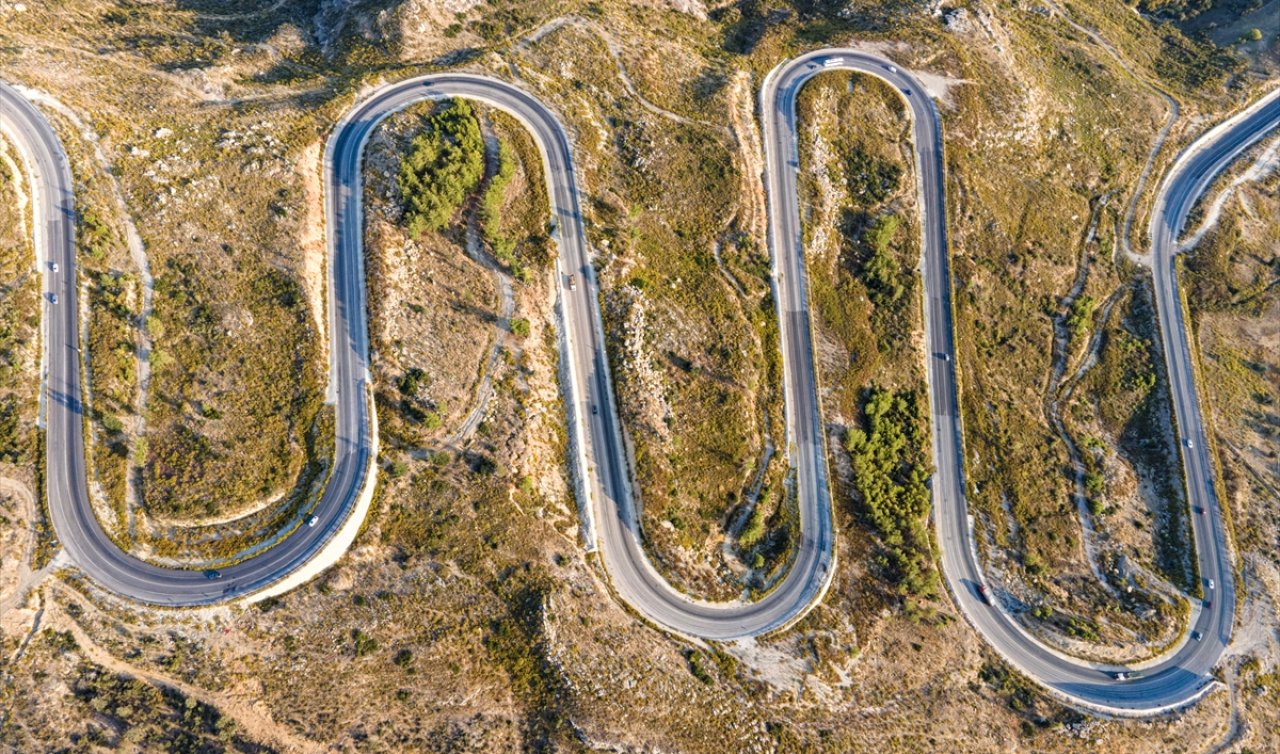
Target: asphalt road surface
(594, 425)
(592, 415)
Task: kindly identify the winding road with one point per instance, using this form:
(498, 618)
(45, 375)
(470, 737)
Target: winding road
(600, 463)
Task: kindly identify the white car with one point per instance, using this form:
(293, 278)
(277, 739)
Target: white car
(53, 266)
(313, 520)
(1210, 583)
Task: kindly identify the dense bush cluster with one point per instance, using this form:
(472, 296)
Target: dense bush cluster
(871, 180)
(134, 715)
(881, 271)
(890, 473)
(445, 163)
(1185, 10)
(1195, 63)
(876, 257)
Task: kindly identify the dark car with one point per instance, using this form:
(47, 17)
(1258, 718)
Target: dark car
(1197, 635)
(211, 574)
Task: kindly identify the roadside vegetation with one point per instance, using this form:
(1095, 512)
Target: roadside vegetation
(858, 199)
(689, 324)
(513, 198)
(1232, 282)
(443, 165)
(890, 471)
(20, 308)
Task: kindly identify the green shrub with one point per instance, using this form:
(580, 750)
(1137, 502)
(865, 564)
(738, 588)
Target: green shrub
(882, 272)
(444, 164)
(870, 179)
(889, 473)
(363, 643)
(754, 530)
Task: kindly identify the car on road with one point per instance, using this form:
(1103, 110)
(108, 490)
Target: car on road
(53, 266)
(313, 521)
(53, 298)
(1187, 441)
(1200, 509)
(1120, 675)
(984, 594)
(907, 92)
(1197, 635)
(892, 68)
(1208, 604)
(595, 410)
(212, 574)
(1210, 583)
(573, 282)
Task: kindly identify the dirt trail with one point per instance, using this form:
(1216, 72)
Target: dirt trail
(24, 579)
(1056, 393)
(256, 722)
(615, 51)
(506, 293)
(1174, 112)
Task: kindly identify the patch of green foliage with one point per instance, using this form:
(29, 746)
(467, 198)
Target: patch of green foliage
(515, 223)
(444, 164)
(890, 471)
(491, 209)
(147, 718)
(697, 666)
(1081, 314)
(871, 180)
(875, 254)
(363, 643)
(754, 530)
(1195, 63)
(16, 442)
(519, 644)
(881, 270)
